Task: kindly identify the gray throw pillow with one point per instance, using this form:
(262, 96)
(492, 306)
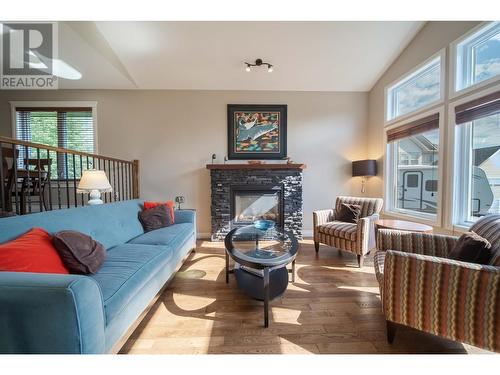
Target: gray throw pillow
(472, 248)
(80, 253)
(155, 218)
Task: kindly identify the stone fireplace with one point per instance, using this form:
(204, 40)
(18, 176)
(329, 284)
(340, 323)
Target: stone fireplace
(243, 193)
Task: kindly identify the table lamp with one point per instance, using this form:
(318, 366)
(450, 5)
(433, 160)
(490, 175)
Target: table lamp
(94, 182)
(363, 169)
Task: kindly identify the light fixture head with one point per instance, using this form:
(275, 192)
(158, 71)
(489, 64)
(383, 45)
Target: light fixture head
(259, 62)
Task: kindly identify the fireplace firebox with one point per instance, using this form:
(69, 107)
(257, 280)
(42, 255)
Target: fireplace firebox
(254, 202)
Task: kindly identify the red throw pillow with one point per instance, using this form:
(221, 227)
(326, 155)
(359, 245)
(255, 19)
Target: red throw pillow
(169, 204)
(31, 252)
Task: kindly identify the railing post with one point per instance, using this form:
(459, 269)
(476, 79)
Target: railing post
(135, 179)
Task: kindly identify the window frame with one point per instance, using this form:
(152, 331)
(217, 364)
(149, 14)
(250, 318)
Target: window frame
(459, 171)
(62, 104)
(453, 68)
(441, 54)
(390, 173)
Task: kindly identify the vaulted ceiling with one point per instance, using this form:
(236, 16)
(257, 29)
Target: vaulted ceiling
(307, 56)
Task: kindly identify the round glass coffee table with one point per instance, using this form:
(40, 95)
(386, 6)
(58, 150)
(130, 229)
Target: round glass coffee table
(261, 257)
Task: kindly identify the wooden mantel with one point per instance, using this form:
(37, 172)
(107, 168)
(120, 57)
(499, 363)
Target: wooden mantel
(257, 166)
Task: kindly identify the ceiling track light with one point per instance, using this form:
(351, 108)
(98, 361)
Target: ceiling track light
(259, 63)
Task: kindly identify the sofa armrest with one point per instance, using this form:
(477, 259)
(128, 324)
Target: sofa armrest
(185, 216)
(452, 299)
(418, 243)
(323, 216)
(366, 233)
(48, 313)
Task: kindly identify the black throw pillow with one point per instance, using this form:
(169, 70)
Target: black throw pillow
(80, 253)
(348, 213)
(472, 248)
(155, 218)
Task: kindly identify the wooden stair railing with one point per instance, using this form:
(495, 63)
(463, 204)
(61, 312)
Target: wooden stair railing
(35, 177)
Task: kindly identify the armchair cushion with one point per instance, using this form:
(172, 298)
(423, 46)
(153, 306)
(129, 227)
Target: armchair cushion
(348, 213)
(369, 206)
(495, 261)
(473, 248)
(339, 229)
(489, 227)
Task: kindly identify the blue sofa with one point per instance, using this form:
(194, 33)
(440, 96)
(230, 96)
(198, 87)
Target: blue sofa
(49, 313)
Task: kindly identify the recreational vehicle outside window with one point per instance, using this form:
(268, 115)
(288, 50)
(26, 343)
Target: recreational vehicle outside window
(413, 168)
(477, 185)
(415, 91)
(477, 57)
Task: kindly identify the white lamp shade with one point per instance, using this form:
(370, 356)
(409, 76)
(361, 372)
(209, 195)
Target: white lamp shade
(94, 180)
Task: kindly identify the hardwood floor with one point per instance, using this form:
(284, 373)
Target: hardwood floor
(332, 307)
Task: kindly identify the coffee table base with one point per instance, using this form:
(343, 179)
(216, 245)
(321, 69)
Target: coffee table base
(266, 287)
(253, 285)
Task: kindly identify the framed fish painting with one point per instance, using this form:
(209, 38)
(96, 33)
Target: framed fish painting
(256, 131)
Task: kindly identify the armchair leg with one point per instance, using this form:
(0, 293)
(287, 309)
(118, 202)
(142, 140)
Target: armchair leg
(391, 331)
(316, 246)
(361, 258)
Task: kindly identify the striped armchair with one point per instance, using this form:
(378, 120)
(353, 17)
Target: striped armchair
(422, 289)
(357, 238)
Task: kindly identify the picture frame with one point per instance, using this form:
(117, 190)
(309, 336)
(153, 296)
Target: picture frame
(257, 131)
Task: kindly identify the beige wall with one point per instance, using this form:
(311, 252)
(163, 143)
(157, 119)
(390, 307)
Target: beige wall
(174, 133)
(432, 38)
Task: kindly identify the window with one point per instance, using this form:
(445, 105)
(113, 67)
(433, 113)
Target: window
(71, 128)
(477, 148)
(416, 91)
(478, 57)
(413, 168)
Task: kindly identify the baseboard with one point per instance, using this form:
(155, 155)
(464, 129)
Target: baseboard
(307, 233)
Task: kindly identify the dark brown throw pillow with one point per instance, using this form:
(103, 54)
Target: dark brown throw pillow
(155, 218)
(472, 248)
(80, 253)
(348, 213)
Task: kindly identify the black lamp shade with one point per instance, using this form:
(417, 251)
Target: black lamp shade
(364, 168)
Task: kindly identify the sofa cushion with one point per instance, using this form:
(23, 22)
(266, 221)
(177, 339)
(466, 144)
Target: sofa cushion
(339, 229)
(173, 235)
(155, 218)
(170, 204)
(31, 252)
(127, 269)
(80, 253)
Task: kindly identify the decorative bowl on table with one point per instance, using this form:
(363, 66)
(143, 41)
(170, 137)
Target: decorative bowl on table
(264, 224)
